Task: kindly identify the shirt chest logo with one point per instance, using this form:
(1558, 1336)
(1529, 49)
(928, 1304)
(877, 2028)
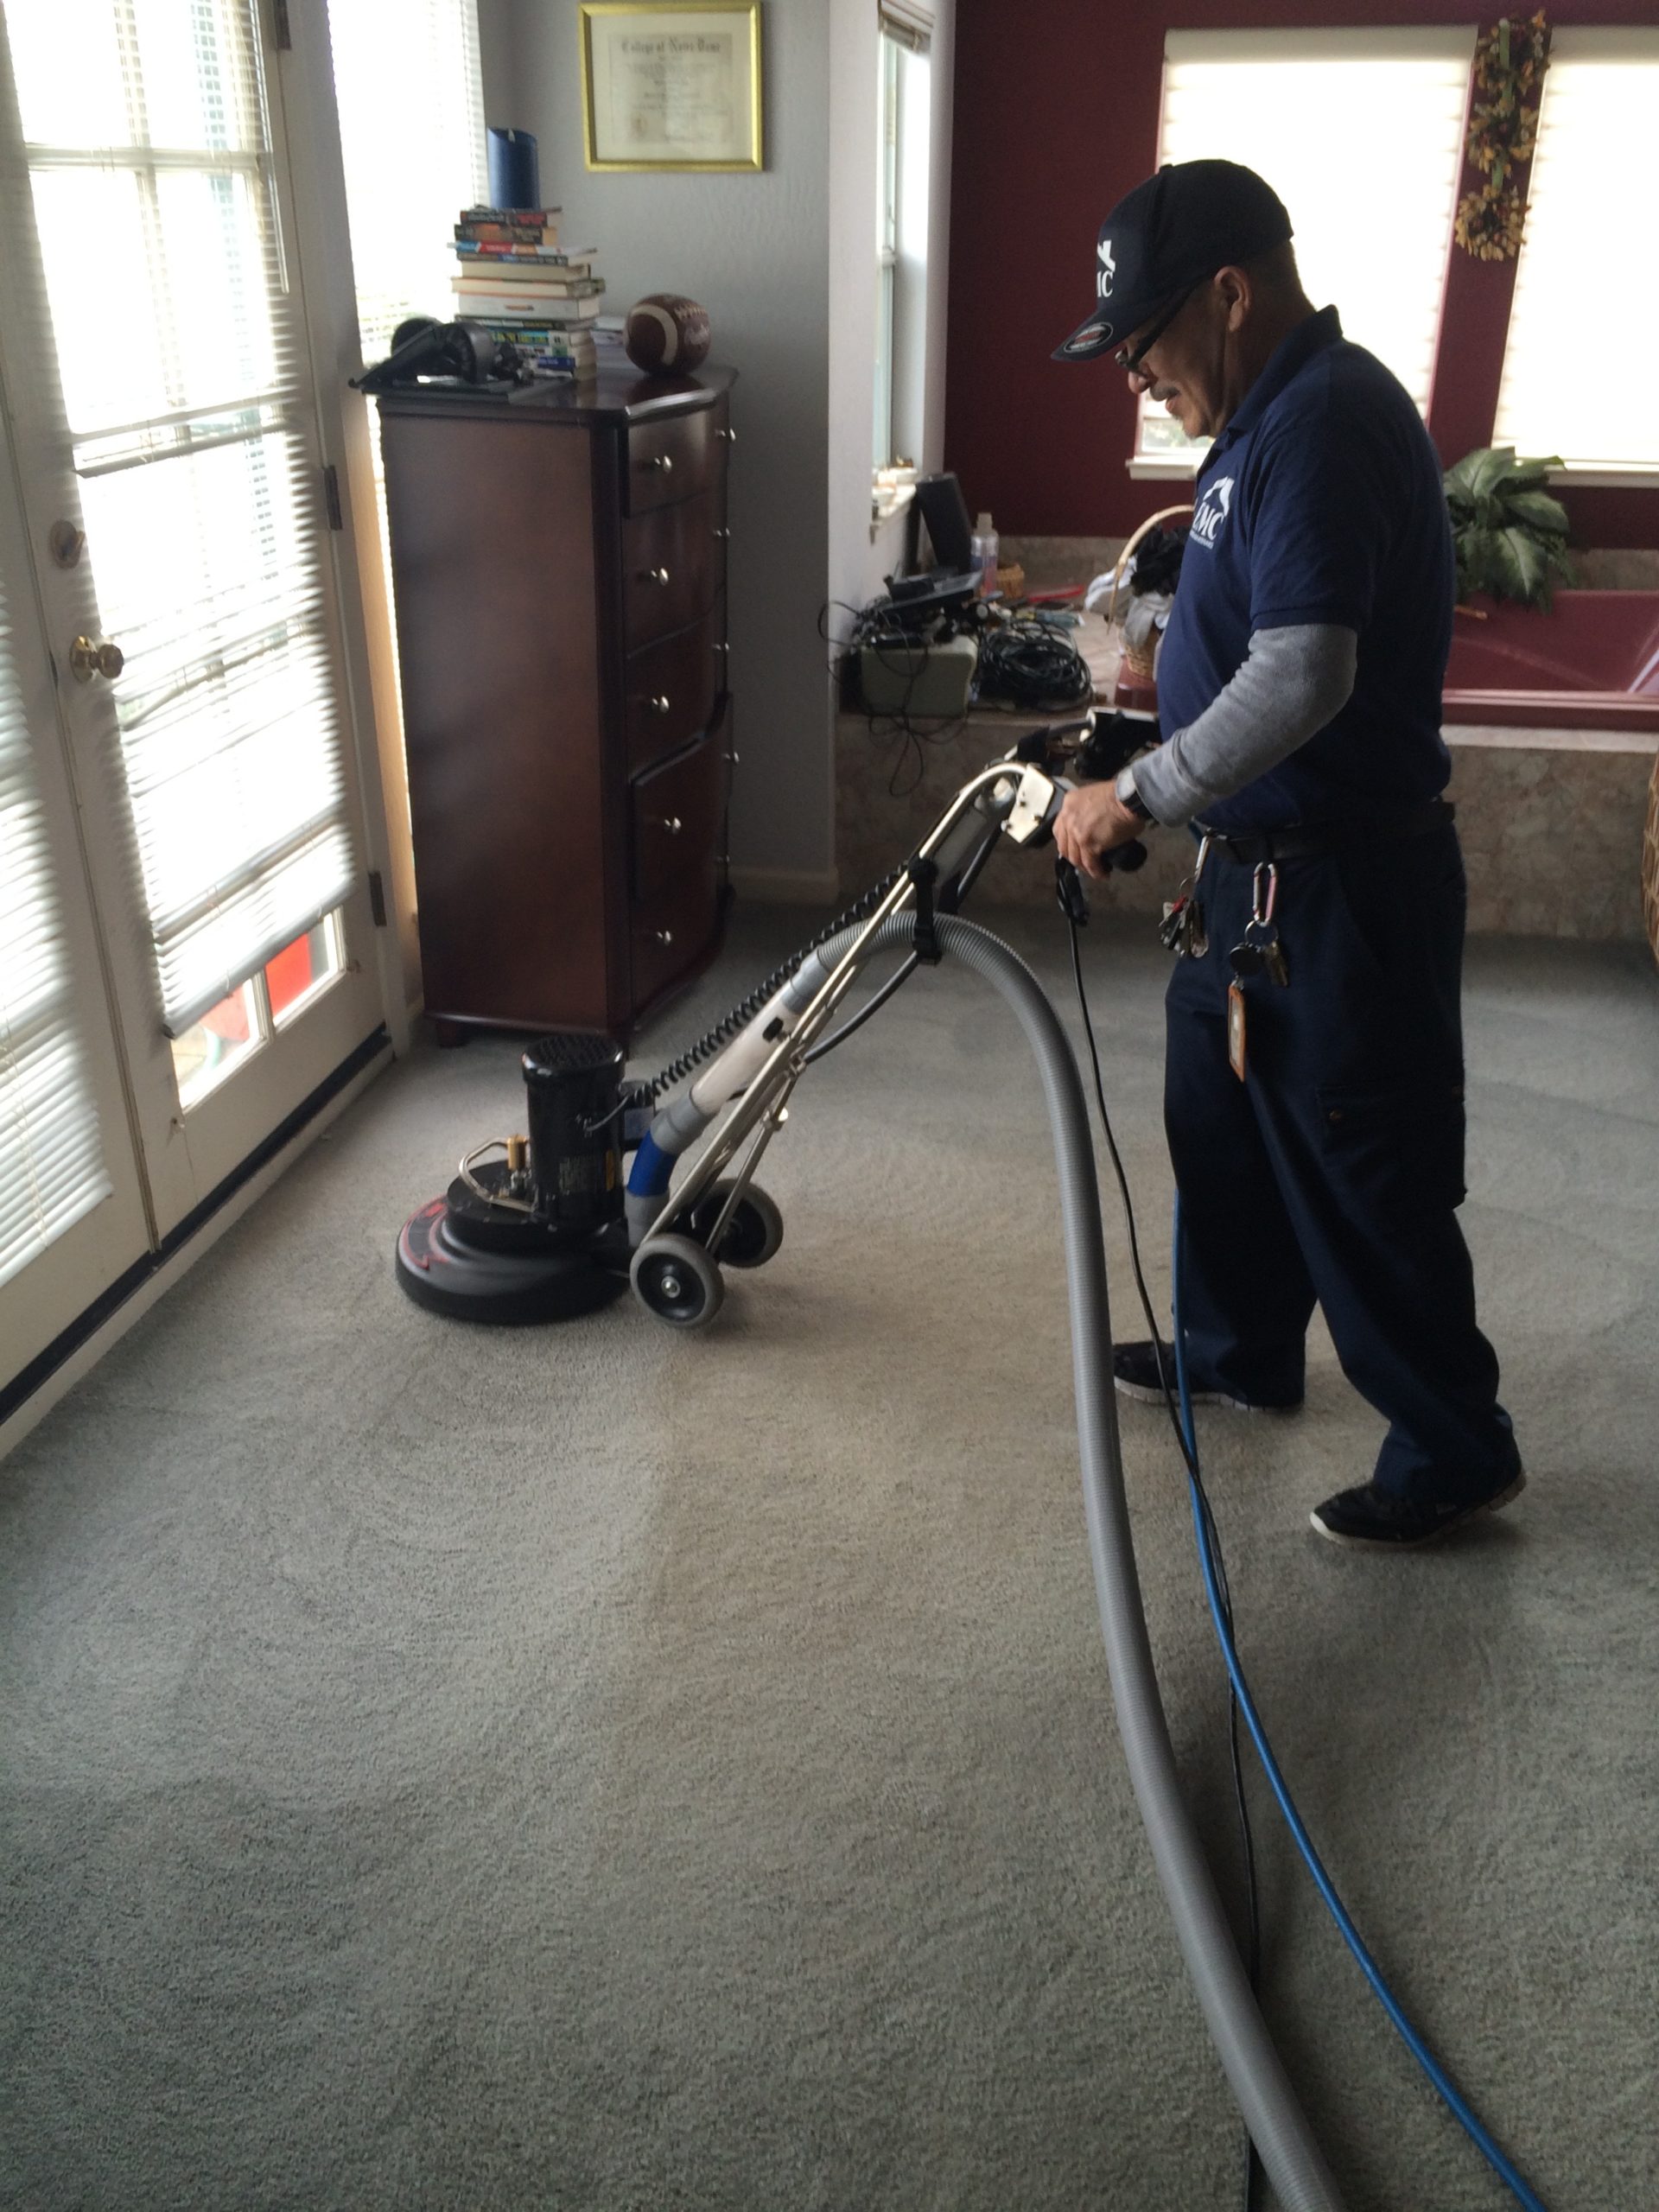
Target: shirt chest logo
(1212, 510)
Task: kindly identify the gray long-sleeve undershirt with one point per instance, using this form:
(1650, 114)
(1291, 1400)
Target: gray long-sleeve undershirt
(1290, 685)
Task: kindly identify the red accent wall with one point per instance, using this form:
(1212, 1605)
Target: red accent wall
(1053, 126)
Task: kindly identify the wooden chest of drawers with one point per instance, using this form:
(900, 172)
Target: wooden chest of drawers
(559, 562)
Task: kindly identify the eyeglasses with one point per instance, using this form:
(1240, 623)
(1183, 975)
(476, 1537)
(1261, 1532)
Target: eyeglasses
(1130, 363)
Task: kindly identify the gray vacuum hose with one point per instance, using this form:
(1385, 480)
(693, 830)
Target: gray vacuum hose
(1278, 2125)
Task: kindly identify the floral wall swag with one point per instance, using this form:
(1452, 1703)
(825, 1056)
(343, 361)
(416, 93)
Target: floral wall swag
(1509, 65)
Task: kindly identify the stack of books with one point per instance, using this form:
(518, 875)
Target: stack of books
(515, 279)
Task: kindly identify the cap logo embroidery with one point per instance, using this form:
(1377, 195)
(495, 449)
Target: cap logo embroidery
(1212, 510)
(1107, 269)
(1085, 340)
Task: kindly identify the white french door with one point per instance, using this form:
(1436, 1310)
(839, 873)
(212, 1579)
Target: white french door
(72, 1219)
(155, 365)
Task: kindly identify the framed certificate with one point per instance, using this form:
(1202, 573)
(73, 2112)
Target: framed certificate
(675, 87)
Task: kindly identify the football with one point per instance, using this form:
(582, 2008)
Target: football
(665, 332)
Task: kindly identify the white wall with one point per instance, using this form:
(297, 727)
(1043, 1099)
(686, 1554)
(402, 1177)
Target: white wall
(785, 263)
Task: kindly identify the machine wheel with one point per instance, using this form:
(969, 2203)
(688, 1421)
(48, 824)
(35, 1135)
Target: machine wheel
(753, 1233)
(677, 1280)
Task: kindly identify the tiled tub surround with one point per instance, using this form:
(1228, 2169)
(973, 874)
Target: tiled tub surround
(1551, 822)
(1551, 818)
(1590, 663)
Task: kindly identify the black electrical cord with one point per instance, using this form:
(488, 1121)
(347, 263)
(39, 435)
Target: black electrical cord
(904, 653)
(1253, 2172)
(1030, 663)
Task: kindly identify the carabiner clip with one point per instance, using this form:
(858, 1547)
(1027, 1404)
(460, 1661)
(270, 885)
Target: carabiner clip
(1264, 894)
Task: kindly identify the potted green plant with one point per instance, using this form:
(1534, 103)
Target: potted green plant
(1511, 534)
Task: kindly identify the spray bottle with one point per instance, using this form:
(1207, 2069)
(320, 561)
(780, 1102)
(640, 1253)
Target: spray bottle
(983, 551)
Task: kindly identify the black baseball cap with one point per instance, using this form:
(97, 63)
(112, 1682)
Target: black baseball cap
(1170, 233)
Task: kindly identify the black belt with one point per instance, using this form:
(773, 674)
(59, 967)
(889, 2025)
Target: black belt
(1301, 841)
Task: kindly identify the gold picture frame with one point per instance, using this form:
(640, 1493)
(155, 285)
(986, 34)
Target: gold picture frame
(674, 86)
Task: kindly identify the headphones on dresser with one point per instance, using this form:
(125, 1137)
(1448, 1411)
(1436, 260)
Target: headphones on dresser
(464, 352)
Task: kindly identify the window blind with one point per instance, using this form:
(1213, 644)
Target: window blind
(1591, 194)
(51, 1158)
(152, 166)
(412, 134)
(412, 137)
(1303, 109)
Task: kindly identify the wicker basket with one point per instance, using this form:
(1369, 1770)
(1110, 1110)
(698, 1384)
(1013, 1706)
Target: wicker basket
(1650, 862)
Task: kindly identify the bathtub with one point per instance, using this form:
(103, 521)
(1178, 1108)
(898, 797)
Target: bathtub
(1591, 663)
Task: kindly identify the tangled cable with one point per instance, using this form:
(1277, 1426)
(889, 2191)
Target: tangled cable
(1032, 664)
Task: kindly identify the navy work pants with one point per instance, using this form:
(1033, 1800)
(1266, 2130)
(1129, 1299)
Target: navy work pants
(1333, 1171)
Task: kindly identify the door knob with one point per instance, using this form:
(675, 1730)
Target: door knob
(673, 824)
(88, 660)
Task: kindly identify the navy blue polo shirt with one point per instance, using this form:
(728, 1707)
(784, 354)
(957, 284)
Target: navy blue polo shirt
(1321, 501)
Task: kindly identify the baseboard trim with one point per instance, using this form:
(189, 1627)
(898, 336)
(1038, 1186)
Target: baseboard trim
(31, 1396)
(786, 887)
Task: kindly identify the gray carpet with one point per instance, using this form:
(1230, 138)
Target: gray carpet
(593, 1768)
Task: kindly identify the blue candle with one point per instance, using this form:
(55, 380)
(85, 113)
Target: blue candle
(515, 180)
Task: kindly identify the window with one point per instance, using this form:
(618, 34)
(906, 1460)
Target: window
(901, 238)
(1304, 109)
(412, 137)
(1581, 294)
(412, 134)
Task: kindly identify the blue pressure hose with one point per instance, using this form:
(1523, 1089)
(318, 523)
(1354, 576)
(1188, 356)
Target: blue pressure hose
(1517, 2184)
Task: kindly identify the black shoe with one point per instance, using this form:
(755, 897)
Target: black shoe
(1134, 1371)
(1376, 1520)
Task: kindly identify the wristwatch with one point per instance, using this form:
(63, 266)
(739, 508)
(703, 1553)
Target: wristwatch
(1128, 795)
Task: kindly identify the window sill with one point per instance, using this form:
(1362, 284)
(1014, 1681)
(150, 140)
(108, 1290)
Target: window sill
(1179, 468)
(1637, 477)
(1167, 467)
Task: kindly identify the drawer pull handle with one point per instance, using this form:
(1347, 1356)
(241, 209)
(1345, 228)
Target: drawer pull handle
(673, 824)
(656, 576)
(731, 757)
(659, 704)
(664, 461)
(719, 646)
(730, 436)
(722, 535)
(664, 936)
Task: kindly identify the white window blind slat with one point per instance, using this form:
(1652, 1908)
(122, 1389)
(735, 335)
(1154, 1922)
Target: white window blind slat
(1590, 193)
(1300, 108)
(52, 1172)
(197, 470)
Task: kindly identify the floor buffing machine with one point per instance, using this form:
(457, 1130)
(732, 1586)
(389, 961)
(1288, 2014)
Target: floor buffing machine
(543, 1226)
